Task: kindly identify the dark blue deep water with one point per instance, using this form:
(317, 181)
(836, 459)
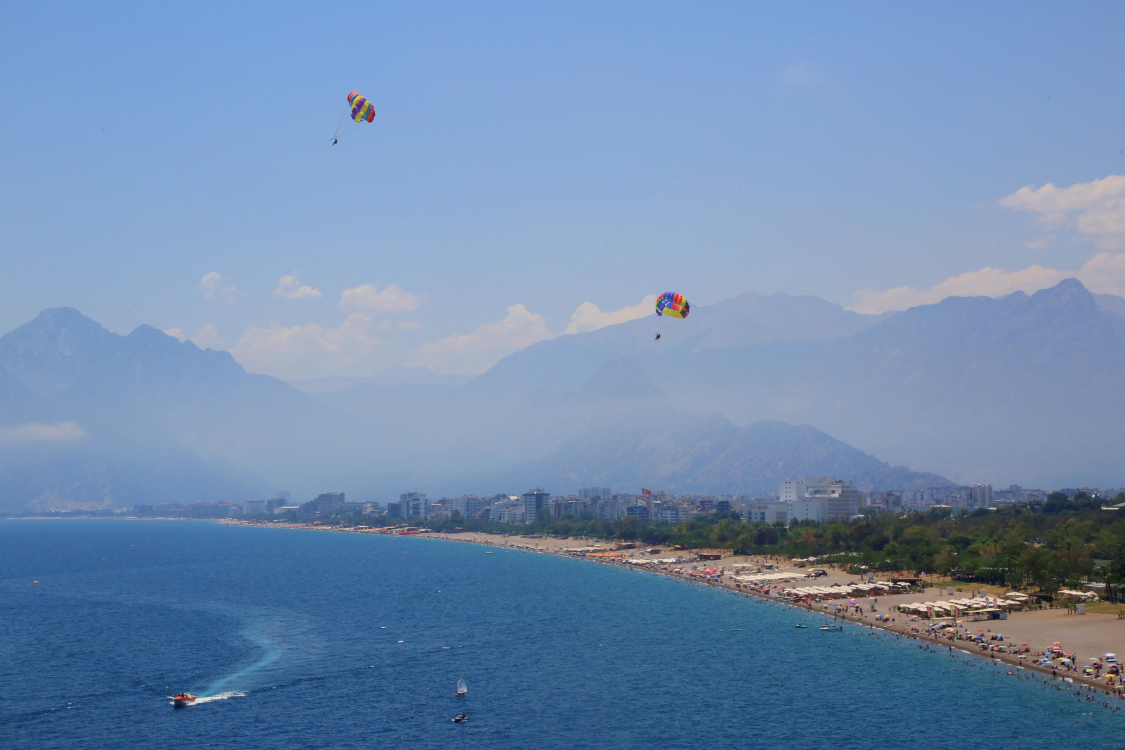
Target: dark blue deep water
(323, 640)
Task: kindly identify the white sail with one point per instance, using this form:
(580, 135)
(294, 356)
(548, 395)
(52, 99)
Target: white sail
(462, 689)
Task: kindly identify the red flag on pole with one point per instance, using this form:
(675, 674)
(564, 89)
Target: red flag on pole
(645, 492)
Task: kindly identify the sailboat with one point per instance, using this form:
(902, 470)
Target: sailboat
(462, 689)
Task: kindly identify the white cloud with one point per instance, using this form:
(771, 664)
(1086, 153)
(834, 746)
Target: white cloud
(477, 351)
(1040, 243)
(205, 336)
(211, 286)
(290, 287)
(1104, 274)
(1097, 208)
(589, 318)
(366, 297)
(35, 432)
(306, 351)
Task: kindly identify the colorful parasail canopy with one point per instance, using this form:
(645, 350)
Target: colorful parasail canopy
(361, 108)
(674, 304)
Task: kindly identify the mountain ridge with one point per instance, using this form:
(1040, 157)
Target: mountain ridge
(1023, 388)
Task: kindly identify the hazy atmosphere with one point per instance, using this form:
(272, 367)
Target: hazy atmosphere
(366, 366)
(535, 176)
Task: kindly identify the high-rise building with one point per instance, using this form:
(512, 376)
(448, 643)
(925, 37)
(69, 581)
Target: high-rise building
(981, 496)
(533, 501)
(819, 499)
(807, 509)
(468, 505)
(638, 511)
(511, 514)
(413, 505)
(252, 507)
(595, 493)
(792, 490)
(576, 507)
(325, 505)
(841, 499)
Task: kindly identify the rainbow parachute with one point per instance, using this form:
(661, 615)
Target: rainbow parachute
(674, 304)
(361, 108)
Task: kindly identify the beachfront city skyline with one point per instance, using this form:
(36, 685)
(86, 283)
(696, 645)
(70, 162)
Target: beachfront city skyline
(441, 374)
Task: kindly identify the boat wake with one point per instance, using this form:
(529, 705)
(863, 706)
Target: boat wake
(220, 688)
(218, 697)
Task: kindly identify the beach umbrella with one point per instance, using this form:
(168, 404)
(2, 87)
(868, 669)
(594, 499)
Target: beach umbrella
(1109, 655)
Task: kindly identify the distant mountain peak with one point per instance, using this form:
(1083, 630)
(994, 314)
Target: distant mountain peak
(60, 321)
(1067, 292)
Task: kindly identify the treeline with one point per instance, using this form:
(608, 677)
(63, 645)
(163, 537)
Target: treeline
(1046, 546)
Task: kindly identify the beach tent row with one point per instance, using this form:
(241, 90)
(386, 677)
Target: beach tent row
(759, 577)
(964, 605)
(840, 591)
(1078, 594)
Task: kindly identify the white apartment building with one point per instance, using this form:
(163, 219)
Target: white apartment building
(414, 505)
(251, 507)
(513, 514)
(769, 513)
(981, 496)
(819, 499)
(792, 490)
(808, 509)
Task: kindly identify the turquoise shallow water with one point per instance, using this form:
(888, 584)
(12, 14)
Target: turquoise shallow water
(323, 640)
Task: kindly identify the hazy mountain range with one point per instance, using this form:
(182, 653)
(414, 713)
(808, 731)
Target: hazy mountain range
(1022, 388)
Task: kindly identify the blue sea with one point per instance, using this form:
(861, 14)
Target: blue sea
(300, 639)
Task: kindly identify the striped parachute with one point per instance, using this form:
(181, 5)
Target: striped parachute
(674, 304)
(361, 108)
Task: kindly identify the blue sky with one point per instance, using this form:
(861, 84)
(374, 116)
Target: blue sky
(536, 166)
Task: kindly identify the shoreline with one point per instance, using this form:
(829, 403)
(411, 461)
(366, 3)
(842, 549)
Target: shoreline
(928, 641)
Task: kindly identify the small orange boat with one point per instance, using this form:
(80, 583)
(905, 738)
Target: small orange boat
(183, 700)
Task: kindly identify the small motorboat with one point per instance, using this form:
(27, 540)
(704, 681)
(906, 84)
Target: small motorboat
(462, 689)
(461, 718)
(803, 627)
(490, 553)
(183, 700)
(832, 627)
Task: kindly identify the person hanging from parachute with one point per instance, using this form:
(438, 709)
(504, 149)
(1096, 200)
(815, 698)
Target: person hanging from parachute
(361, 111)
(673, 304)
